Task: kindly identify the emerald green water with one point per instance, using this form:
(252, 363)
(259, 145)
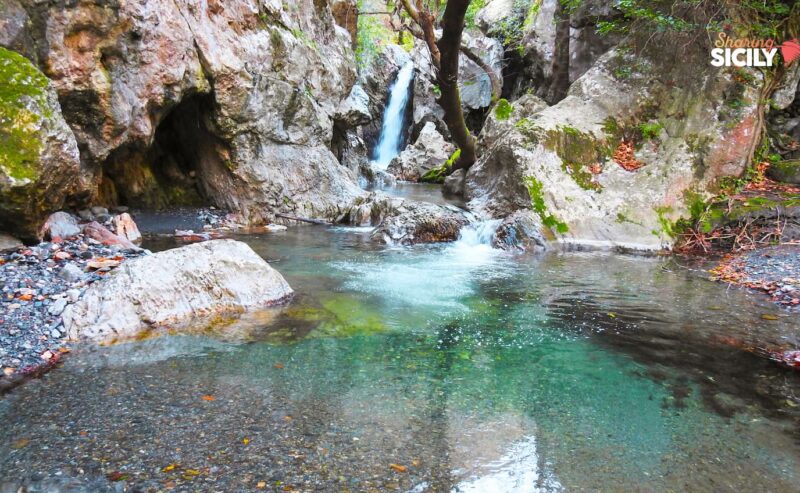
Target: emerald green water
(473, 369)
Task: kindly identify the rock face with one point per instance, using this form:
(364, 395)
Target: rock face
(566, 162)
(474, 84)
(175, 102)
(40, 169)
(428, 152)
(211, 278)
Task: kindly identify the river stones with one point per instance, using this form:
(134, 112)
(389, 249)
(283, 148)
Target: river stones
(174, 289)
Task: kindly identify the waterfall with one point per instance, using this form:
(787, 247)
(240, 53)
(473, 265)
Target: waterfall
(391, 131)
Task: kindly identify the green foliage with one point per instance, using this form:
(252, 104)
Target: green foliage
(650, 131)
(23, 106)
(758, 18)
(536, 191)
(472, 10)
(437, 175)
(372, 37)
(503, 109)
(511, 29)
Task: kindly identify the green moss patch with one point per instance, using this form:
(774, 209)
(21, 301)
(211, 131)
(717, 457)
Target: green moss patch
(23, 107)
(437, 175)
(536, 191)
(578, 151)
(503, 109)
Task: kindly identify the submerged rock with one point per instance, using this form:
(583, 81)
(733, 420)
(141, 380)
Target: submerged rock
(171, 289)
(428, 152)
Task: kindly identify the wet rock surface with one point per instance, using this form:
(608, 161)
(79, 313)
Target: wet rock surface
(429, 151)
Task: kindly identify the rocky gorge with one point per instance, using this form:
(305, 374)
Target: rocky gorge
(195, 180)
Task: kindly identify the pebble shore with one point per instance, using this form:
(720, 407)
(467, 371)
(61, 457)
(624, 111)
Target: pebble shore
(38, 283)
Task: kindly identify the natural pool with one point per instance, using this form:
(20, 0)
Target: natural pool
(434, 368)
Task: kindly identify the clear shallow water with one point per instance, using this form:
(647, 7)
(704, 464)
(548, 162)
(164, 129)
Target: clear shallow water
(475, 370)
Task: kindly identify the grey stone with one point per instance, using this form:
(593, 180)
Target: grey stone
(8, 243)
(60, 225)
(213, 278)
(71, 273)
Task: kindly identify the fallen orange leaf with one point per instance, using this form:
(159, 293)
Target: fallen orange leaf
(398, 468)
(209, 398)
(279, 366)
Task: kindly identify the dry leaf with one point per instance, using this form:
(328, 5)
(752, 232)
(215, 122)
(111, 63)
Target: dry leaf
(169, 468)
(261, 485)
(398, 468)
(209, 398)
(246, 441)
(21, 443)
(279, 366)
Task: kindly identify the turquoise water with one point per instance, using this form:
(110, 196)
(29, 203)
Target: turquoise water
(433, 368)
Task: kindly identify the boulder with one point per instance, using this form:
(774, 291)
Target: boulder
(520, 231)
(100, 233)
(126, 228)
(401, 221)
(785, 171)
(428, 152)
(40, 169)
(572, 165)
(454, 184)
(9, 244)
(173, 289)
(421, 222)
(354, 110)
(60, 226)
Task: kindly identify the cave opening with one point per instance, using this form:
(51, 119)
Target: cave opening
(176, 170)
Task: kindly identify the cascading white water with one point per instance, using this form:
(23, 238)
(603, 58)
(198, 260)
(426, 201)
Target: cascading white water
(391, 131)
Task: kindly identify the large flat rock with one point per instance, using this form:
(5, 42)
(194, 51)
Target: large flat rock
(172, 289)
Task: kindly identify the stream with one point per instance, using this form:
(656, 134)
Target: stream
(433, 368)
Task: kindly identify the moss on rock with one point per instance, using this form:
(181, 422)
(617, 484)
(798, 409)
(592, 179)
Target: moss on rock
(23, 108)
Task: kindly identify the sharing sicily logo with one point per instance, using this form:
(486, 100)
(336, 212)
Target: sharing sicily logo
(729, 51)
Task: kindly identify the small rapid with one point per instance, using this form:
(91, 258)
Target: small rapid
(392, 130)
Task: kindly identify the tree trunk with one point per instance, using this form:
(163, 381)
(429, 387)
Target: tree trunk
(559, 85)
(450, 100)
